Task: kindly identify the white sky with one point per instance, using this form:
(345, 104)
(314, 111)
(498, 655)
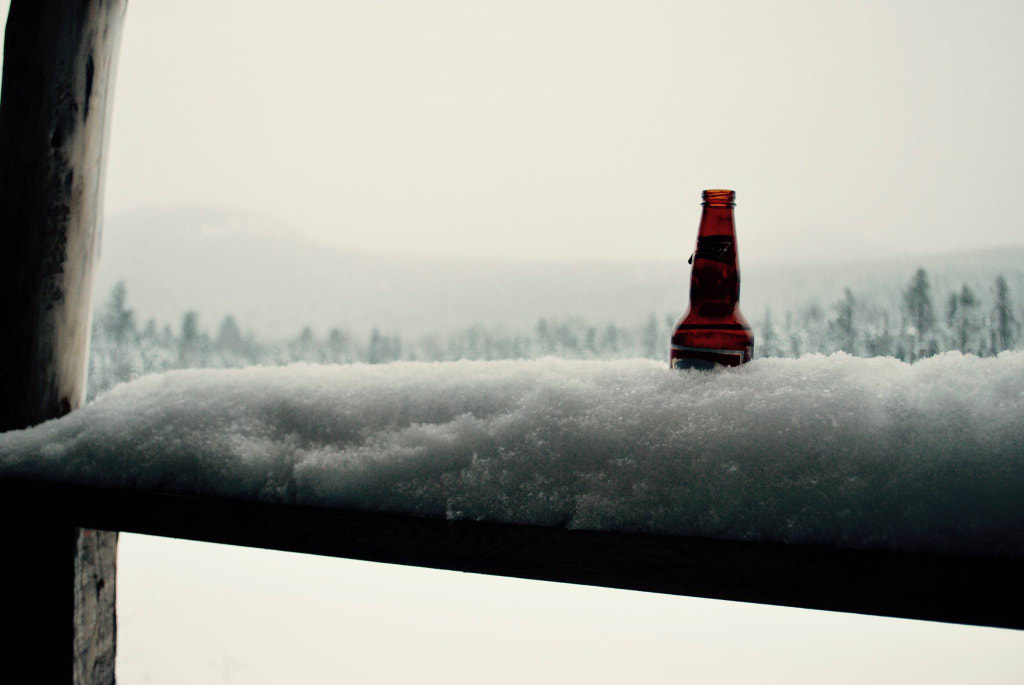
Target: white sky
(197, 613)
(580, 129)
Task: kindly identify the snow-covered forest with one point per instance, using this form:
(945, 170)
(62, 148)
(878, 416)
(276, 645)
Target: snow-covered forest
(926, 322)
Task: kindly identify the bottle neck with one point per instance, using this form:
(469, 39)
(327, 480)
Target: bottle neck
(717, 220)
(715, 278)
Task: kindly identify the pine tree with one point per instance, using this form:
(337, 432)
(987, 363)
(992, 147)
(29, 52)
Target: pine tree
(968, 333)
(917, 338)
(190, 344)
(117, 320)
(229, 342)
(545, 342)
(590, 341)
(917, 304)
(880, 341)
(653, 340)
(383, 348)
(842, 333)
(951, 306)
(769, 345)
(611, 340)
(339, 346)
(1006, 328)
(394, 347)
(167, 336)
(156, 349)
(796, 338)
(375, 348)
(304, 348)
(115, 353)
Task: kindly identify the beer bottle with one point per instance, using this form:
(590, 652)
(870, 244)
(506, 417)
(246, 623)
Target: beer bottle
(713, 331)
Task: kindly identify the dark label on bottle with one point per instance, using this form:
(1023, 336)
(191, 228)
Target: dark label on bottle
(693, 363)
(717, 248)
(686, 357)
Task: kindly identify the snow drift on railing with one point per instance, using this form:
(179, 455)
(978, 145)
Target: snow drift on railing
(868, 453)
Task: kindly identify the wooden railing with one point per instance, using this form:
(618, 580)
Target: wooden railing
(975, 590)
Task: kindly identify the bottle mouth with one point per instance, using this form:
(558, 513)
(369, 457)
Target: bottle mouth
(718, 198)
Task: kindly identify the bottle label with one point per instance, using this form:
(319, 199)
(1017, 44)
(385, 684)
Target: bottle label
(717, 248)
(693, 363)
(685, 357)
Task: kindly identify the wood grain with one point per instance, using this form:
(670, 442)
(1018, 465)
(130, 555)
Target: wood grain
(59, 64)
(975, 590)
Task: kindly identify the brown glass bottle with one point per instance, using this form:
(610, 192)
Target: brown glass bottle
(713, 331)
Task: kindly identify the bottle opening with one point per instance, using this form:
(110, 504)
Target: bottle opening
(718, 198)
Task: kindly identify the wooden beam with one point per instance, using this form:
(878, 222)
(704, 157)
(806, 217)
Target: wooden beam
(975, 590)
(59, 64)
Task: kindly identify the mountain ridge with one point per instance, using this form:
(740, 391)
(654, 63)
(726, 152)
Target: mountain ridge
(275, 280)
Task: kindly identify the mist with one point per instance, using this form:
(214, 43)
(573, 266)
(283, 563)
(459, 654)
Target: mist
(580, 130)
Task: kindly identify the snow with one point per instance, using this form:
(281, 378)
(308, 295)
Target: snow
(865, 453)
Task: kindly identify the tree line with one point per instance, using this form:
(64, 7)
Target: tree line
(966, 321)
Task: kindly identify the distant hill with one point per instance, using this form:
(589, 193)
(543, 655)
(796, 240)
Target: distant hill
(274, 282)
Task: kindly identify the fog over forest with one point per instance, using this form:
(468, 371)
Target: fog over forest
(209, 279)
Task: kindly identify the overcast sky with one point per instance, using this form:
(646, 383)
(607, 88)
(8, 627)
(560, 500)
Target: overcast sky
(580, 130)
(277, 617)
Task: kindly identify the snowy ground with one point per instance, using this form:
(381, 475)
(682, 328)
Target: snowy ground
(870, 453)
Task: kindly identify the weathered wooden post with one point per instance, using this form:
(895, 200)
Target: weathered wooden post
(59, 63)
